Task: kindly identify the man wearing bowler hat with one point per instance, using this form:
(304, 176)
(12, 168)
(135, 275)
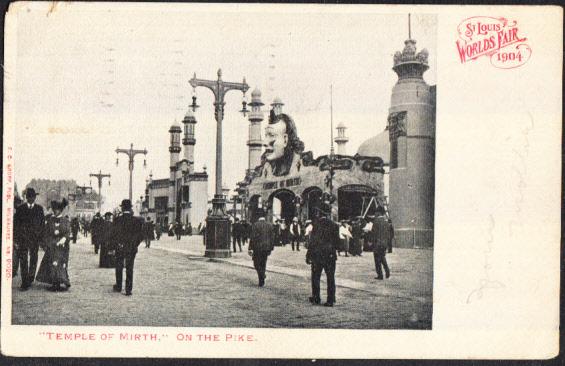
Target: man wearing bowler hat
(29, 222)
(322, 255)
(128, 234)
(261, 245)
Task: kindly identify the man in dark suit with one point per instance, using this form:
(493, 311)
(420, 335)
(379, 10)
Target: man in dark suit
(74, 229)
(237, 234)
(149, 231)
(97, 226)
(322, 255)
(128, 234)
(29, 222)
(380, 237)
(261, 245)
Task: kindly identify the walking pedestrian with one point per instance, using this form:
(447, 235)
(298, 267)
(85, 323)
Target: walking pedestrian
(261, 245)
(295, 234)
(357, 237)
(57, 236)
(29, 223)
(158, 231)
(246, 231)
(321, 255)
(284, 232)
(74, 229)
(128, 234)
(380, 234)
(178, 229)
(344, 237)
(107, 246)
(96, 227)
(149, 232)
(236, 234)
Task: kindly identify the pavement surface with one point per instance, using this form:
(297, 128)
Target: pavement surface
(174, 285)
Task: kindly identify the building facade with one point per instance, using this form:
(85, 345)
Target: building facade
(183, 196)
(285, 182)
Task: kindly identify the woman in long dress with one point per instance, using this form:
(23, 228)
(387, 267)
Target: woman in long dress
(54, 265)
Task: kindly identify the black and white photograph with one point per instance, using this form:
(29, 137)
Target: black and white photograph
(206, 169)
(183, 172)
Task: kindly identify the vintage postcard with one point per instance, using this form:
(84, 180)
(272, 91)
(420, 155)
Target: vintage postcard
(281, 181)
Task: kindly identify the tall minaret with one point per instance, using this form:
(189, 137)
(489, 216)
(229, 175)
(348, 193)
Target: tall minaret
(189, 141)
(411, 124)
(174, 149)
(255, 140)
(277, 105)
(341, 139)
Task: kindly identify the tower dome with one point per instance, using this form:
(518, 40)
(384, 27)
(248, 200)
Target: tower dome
(256, 93)
(189, 117)
(175, 127)
(376, 146)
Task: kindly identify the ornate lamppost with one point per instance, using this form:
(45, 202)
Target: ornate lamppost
(100, 178)
(217, 223)
(131, 153)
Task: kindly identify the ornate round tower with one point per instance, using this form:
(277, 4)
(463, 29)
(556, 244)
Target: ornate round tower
(411, 124)
(174, 150)
(188, 140)
(341, 139)
(255, 141)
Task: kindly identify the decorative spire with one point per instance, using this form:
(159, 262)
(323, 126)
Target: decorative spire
(409, 29)
(408, 63)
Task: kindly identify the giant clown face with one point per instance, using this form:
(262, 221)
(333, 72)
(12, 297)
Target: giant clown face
(276, 140)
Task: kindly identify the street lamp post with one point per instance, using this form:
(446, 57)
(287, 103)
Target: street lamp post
(217, 223)
(131, 153)
(100, 178)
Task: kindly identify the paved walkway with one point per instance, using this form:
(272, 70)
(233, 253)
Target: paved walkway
(174, 285)
(411, 270)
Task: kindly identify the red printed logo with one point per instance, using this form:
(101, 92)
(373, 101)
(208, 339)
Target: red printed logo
(497, 38)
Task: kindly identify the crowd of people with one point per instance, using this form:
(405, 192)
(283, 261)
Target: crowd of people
(117, 239)
(324, 240)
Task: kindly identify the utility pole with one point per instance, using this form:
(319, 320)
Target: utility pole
(217, 223)
(131, 153)
(100, 178)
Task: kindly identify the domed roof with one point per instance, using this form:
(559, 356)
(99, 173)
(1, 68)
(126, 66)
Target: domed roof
(341, 125)
(189, 117)
(175, 127)
(277, 100)
(256, 93)
(378, 145)
(189, 113)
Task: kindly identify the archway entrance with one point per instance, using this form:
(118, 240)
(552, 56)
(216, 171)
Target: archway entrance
(312, 199)
(353, 200)
(282, 204)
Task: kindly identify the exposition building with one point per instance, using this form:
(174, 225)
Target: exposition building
(183, 196)
(399, 162)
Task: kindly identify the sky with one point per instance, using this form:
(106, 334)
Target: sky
(93, 77)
